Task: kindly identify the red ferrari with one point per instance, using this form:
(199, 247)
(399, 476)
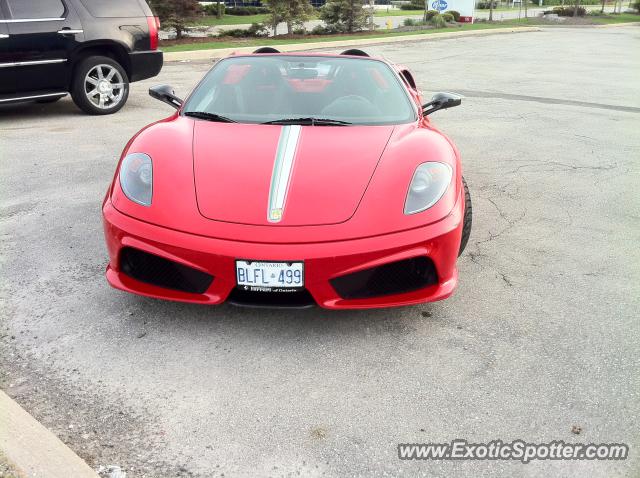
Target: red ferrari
(290, 180)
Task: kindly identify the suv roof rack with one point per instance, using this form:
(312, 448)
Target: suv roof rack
(266, 49)
(354, 52)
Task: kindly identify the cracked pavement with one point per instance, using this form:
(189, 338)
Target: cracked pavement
(541, 336)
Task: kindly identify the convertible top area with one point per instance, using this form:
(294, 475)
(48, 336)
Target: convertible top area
(264, 87)
(350, 52)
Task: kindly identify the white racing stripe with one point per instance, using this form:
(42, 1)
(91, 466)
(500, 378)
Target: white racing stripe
(282, 169)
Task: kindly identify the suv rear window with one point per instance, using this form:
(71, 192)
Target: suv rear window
(113, 8)
(35, 9)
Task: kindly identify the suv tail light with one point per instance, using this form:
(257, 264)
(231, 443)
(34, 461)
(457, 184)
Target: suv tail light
(154, 30)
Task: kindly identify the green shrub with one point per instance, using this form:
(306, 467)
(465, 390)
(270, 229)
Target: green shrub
(300, 31)
(325, 30)
(636, 6)
(411, 6)
(456, 15)
(255, 30)
(258, 30)
(318, 30)
(568, 11)
(234, 32)
(212, 9)
(486, 5)
(447, 17)
(430, 14)
(550, 3)
(410, 22)
(438, 21)
(246, 11)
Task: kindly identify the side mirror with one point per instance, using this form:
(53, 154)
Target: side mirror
(441, 101)
(165, 94)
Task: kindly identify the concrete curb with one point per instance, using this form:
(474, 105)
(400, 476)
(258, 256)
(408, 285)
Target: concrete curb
(611, 25)
(223, 52)
(32, 449)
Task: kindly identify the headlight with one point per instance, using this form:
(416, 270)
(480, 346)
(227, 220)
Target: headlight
(429, 183)
(136, 178)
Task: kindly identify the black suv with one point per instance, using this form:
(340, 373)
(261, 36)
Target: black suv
(89, 48)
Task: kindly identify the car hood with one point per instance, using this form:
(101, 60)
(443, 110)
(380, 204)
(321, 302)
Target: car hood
(284, 175)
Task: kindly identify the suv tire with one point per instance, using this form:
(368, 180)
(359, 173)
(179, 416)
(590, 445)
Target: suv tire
(100, 86)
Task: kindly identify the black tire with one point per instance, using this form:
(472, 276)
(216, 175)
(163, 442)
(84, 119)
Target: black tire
(468, 218)
(79, 86)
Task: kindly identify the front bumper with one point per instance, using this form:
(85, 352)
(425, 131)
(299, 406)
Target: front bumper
(323, 261)
(145, 64)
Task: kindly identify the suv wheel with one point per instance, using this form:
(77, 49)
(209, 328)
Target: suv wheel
(100, 86)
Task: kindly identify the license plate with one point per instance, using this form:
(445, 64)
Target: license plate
(270, 276)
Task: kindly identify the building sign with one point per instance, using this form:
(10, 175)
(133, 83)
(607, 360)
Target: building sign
(440, 5)
(464, 7)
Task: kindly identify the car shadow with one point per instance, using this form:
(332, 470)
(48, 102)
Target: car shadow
(173, 317)
(32, 109)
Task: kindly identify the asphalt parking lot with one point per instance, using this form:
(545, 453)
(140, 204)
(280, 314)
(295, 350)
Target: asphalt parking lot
(541, 335)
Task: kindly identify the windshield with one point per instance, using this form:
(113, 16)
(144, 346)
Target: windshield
(301, 89)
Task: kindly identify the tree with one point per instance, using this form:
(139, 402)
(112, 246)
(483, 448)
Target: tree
(175, 14)
(292, 12)
(575, 8)
(344, 15)
(298, 12)
(371, 14)
(277, 13)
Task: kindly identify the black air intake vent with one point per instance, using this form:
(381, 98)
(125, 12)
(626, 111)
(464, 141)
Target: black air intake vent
(394, 278)
(161, 272)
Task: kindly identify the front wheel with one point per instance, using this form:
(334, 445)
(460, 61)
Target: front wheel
(100, 86)
(467, 220)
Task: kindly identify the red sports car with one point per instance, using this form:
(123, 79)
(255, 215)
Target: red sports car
(289, 180)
